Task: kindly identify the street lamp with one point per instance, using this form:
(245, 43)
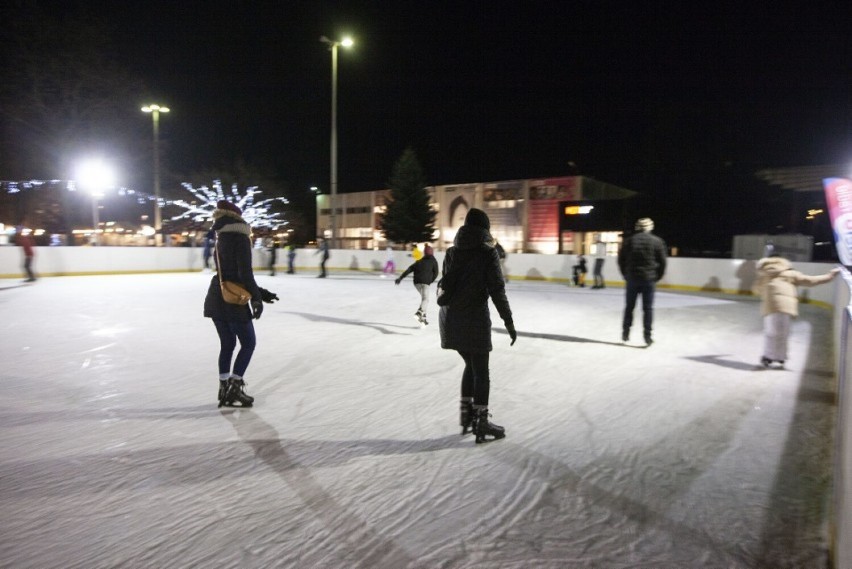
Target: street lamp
(333, 45)
(155, 111)
(95, 176)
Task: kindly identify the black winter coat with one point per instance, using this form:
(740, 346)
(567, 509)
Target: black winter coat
(233, 246)
(465, 324)
(643, 257)
(425, 270)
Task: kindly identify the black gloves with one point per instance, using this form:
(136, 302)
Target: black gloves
(510, 328)
(267, 296)
(256, 309)
(397, 281)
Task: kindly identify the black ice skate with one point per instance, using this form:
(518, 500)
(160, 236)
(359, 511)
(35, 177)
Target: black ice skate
(484, 430)
(236, 396)
(223, 390)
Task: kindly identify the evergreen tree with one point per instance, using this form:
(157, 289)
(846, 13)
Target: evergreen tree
(409, 218)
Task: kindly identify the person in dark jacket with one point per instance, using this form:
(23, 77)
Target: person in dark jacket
(642, 261)
(472, 274)
(272, 248)
(209, 243)
(233, 321)
(425, 272)
(322, 250)
(27, 243)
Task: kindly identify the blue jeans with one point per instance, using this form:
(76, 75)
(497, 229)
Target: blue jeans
(229, 333)
(634, 289)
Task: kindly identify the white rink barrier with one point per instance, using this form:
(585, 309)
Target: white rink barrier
(731, 276)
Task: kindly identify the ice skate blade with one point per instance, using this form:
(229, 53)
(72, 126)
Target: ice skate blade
(237, 405)
(482, 440)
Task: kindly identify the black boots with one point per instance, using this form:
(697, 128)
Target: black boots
(232, 392)
(483, 429)
(466, 414)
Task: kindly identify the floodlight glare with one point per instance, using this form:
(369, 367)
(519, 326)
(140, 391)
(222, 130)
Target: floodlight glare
(95, 176)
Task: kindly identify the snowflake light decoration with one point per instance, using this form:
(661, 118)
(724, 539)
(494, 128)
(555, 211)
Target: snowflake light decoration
(256, 213)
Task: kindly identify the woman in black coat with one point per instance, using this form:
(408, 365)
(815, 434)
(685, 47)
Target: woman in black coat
(472, 274)
(233, 321)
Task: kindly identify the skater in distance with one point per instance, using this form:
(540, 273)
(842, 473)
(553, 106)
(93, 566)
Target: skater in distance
(425, 272)
(642, 261)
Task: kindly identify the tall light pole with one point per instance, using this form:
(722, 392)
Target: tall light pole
(333, 45)
(155, 111)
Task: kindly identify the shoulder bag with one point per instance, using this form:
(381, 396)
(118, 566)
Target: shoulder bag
(232, 293)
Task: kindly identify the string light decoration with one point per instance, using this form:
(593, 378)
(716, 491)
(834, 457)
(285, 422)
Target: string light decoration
(257, 214)
(17, 186)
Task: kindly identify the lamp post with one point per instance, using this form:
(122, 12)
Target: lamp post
(333, 45)
(155, 111)
(95, 177)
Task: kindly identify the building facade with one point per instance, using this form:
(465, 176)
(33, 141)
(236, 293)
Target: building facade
(543, 215)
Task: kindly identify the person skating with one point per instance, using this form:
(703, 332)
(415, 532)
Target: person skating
(209, 243)
(776, 285)
(579, 271)
(233, 321)
(24, 239)
(425, 272)
(600, 258)
(291, 259)
(272, 248)
(323, 251)
(642, 262)
(471, 274)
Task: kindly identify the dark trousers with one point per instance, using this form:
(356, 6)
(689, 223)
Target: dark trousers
(634, 289)
(272, 261)
(599, 280)
(229, 333)
(28, 268)
(476, 382)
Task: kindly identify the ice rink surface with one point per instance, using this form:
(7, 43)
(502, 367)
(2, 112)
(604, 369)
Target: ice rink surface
(684, 454)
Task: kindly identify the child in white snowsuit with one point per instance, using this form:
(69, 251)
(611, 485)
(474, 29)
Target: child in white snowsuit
(776, 284)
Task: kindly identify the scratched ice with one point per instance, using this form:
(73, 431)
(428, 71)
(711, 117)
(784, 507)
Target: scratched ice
(684, 454)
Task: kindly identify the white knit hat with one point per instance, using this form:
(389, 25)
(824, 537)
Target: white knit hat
(644, 224)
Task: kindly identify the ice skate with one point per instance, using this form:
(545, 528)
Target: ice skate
(484, 430)
(236, 394)
(223, 390)
(765, 361)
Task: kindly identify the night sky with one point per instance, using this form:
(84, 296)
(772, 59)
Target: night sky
(657, 97)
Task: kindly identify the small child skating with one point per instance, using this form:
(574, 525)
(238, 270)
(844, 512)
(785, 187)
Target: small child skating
(776, 284)
(425, 272)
